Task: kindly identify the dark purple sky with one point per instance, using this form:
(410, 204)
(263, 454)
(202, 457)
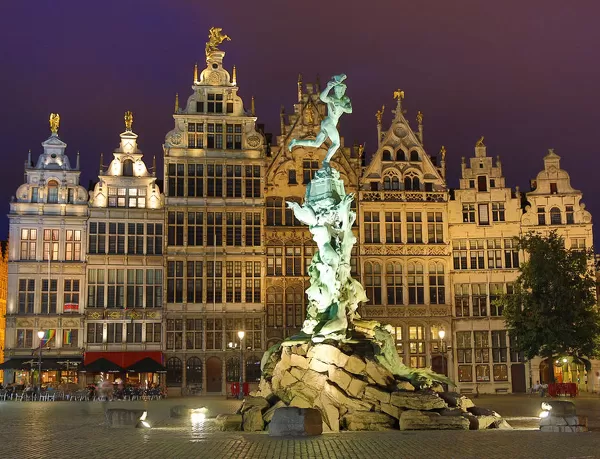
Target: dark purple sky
(523, 73)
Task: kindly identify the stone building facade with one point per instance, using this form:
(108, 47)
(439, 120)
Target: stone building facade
(3, 295)
(125, 243)
(46, 271)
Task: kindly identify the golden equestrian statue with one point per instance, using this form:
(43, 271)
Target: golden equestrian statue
(379, 114)
(480, 142)
(215, 39)
(128, 120)
(54, 123)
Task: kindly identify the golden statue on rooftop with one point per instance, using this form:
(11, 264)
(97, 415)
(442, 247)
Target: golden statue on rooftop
(128, 120)
(443, 153)
(215, 38)
(420, 117)
(54, 123)
(379, 114)
(398, 94)
(480, 142)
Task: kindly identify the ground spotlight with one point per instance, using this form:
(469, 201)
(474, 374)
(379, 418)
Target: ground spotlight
(198, 415)
(142, 423)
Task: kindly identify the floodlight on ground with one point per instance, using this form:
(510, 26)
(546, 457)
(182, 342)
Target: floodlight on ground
(142, 423)
(198, 415)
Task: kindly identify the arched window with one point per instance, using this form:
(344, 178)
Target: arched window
(274, 307)
(294, 306)
(174, 371)
(387, 156)
(128, 168)
(373, 282)
(411, 182)
(387, 183)
(232, 369)
(555, 217)
(414, 155)
(194, 370)
(393, 281)
(400, 156)
(253, 369)
(52, 192)
(391, 182)
(437, 289)
(416, 289)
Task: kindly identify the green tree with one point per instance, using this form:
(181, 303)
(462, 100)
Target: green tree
(553, 309)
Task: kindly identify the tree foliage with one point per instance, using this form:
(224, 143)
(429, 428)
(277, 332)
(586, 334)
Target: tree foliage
(553, 309)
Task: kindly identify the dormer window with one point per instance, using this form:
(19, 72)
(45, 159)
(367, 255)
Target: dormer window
(387, 156)
(52, 192)
(229, 107)
(391, 183)
(570, 215)
(414, 155)
(400, 156)
(482, 183)
(126, 197)
(35, 194)
(128, 168)
(199, 107)
(215, 103)
(553, 188)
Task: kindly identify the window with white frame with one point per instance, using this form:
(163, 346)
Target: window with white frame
(494, 253)
(153, 332)
(461, 300)
(468, 212)
(26, 296)
(28, 243)
(51, 237)
(479, 299)
(498, 213)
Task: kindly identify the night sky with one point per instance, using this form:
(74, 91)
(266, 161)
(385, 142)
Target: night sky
(526, 74)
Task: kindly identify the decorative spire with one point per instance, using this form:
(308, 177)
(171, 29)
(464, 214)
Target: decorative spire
(252, 108)
(154, 166)
(77, 162)
(128, 120)
(299, 87)
(443, 153)
(282, 120)
(419, 117)
(318, 83)
(399, 96)
(101, 162)
(29, 158)
(196, 73)
(234, 78)
(54, 123)
(176, 102)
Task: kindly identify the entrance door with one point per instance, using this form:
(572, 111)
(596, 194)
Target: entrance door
(517, 373)
(214, 375)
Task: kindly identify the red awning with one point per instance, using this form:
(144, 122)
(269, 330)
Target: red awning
(123, 359)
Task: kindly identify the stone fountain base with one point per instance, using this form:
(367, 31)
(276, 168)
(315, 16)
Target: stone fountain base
(353, 391)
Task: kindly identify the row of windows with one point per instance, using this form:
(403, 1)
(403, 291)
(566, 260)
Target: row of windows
(485, 253)
(400, 155)
(124, 288)
(126, 197)
(215, 135)
(220, 228)
(117, 332)
(415, 343)
(483, 213)
(474, 300)
(389, 287)
(295, 260)
(413, 233)
(213, 333)
(556, 216)
(213, 282)
(285, 308)
(213, 104)
(125, 238)
(50, 244)
(70, 338)
(194, 369)
(48, 298)
(52, 193)
(482, 348)
(213, 180)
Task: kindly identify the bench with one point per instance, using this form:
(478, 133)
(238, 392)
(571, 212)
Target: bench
(502, 390)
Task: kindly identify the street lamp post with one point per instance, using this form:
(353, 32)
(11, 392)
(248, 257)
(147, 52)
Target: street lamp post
(40, 336)
(241, 337)
(442, 334)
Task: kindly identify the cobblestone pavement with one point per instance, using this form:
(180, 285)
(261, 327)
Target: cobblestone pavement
(76, 429)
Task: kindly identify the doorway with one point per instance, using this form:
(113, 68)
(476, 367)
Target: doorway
(214, 375)
(517, 374)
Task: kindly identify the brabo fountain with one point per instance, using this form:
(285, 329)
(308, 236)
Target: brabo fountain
(346, 367)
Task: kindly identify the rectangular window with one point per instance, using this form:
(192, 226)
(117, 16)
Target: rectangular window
(416, 288)
(28, 243)
(94, 333)
(233, 186)
(116, 238)
(496, 290)
(154, 238)
(194, 334)
(372, 227)
(465, 373)
(308, 170)
(541, 213)
(196, 131)
(479, 300)
(135, 238)
(114, 333)
(174, 334)
(73, 245)
(175, 282)
(233, 283)
(233, 226)
(459, 253)
(153, 332)
(134, 333)
(215, 103)
(435, 228)
(416, 346)
(71, 295)
(414, 228)
(51, 244)
(437, 285)
(115, 291)
(214, 282)
(154, 288)
(578, 243)
(24, 338)
(195, 180)
(498, 212)
(97, 238)
(35, 195)
(214, 229)
(484, 214)
(293, 261)
(476, 254)
(481, 183)
(48, 305)
(392, 228)
(393, 281)
(553, 188)
(26, 296)
(175, 179)
(511, 253)
(214, 334)
(253, 281)
(175, 228)
(499, 346)
(195, 229)
(482, 373)
(570, 215)
(482, 346)
(252, 181)
(135, 288)
(494, 253)
(70, 337)
(214, 180)
(468, 212)
(515, 355)
(464, 351)
(253, 229)
(274, 261)
(461, 300)
(95, 288)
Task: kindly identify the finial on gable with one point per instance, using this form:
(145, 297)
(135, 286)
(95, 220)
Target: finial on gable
(128, 120)
(54, 123)
(234, 76)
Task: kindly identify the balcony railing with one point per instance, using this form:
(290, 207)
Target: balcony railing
(404, 196)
